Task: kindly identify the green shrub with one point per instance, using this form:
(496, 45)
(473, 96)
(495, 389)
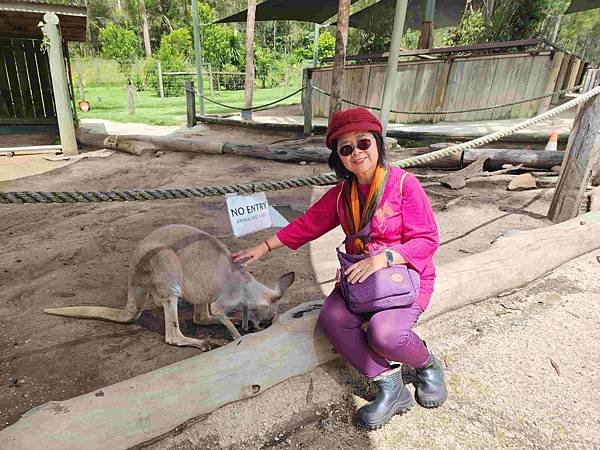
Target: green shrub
(121, 45)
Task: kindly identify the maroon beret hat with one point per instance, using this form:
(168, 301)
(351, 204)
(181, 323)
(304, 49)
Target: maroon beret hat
(354, 119)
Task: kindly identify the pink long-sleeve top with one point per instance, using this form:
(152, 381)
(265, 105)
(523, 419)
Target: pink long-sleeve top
(404, 223)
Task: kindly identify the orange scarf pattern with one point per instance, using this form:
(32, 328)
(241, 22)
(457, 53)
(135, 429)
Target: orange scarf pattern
(357, 214)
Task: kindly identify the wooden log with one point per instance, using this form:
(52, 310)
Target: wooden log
(114, 142)
(512, 262)
(144, 407)
(165, 143)
(497, 157)
(583, 150)
(286, 154)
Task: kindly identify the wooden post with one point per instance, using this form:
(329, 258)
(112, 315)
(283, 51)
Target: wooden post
(307, 102)
(198, 54)
(249, 80)
(80, 83)
(58, 72)
(426, 37)
(316, 45)
(210, 78)
(583, 150)
(391, 74)
(161, 88)
(339, 59)
(130, 98)
(190, 97)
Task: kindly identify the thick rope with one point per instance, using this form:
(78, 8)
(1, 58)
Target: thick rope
(326, 178)
(455, 111)
(254, 108)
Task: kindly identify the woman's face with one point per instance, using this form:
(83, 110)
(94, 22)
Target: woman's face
(361, 162)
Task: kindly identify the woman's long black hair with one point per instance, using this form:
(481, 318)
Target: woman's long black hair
(336, 163)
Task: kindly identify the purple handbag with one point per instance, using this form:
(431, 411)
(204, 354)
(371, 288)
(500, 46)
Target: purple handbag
(390, 287)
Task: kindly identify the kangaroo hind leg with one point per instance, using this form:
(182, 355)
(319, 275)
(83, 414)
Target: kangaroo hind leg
(173, 335)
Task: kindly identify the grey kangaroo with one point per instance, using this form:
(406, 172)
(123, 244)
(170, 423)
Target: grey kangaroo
(182, 261)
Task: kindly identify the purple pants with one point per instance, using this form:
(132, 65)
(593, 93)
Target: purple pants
(389, 337)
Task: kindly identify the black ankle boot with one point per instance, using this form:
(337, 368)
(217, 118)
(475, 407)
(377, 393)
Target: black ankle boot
(430, 388)
(393, 398)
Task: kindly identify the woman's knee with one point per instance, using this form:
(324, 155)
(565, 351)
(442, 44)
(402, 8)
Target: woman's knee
(386, 339)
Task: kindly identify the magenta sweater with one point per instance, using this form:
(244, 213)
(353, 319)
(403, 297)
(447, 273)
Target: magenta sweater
(406, 225)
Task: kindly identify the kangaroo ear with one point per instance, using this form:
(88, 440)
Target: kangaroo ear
(284, 283)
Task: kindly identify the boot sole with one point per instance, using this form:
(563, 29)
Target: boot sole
(402, 408)
(428, 403)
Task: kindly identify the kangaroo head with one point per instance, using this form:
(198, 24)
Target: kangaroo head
(261, 301)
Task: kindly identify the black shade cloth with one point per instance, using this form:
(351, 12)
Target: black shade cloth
(317, 11)
(582, 5)
(379, 17)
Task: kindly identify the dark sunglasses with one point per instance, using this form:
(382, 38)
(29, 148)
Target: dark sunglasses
(362, 144)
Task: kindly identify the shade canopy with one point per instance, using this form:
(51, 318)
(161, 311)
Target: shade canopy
(379, 17)
(582, 5)
(20, 18)
(317, 11)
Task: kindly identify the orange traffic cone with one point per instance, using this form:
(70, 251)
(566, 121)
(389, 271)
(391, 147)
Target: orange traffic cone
(552, 144)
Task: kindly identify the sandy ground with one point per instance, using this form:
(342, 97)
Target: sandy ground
(505, 391)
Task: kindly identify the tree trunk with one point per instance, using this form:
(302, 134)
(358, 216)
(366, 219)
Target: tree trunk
(339, 59)
(145, 29)
(154, 403)
(249, 81)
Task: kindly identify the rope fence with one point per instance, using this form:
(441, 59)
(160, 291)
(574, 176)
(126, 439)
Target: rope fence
(253, 108)
(322, 179)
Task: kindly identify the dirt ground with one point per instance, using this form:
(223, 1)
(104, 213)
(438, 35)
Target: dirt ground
(77, 254)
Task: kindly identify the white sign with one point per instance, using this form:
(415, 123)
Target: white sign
(248, 213)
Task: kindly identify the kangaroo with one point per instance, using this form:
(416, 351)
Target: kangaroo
(180, 261)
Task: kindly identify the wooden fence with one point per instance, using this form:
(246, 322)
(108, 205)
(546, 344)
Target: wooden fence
(457, 83)
(25, 84)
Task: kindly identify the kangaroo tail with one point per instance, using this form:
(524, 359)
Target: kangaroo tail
(95, 312)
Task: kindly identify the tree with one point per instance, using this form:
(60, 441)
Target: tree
(145, 29)
(119, 44)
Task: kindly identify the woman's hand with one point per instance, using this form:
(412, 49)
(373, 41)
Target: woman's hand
(251, 254)
(360, 271)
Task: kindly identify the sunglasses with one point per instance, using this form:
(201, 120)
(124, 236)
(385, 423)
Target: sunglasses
(362, 144)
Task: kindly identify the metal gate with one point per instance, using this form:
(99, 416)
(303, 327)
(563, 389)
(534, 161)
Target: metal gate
(25, 84)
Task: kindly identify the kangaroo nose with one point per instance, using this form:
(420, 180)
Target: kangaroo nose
(265, 323)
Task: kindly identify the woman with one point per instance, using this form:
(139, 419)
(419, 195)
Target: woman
(402, 231)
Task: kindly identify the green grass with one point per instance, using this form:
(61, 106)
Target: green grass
(110, 103)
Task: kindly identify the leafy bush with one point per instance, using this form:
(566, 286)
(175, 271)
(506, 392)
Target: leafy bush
(326, 47)
(469, 31)
(221, 44)
(176, 45)
(119, 44)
